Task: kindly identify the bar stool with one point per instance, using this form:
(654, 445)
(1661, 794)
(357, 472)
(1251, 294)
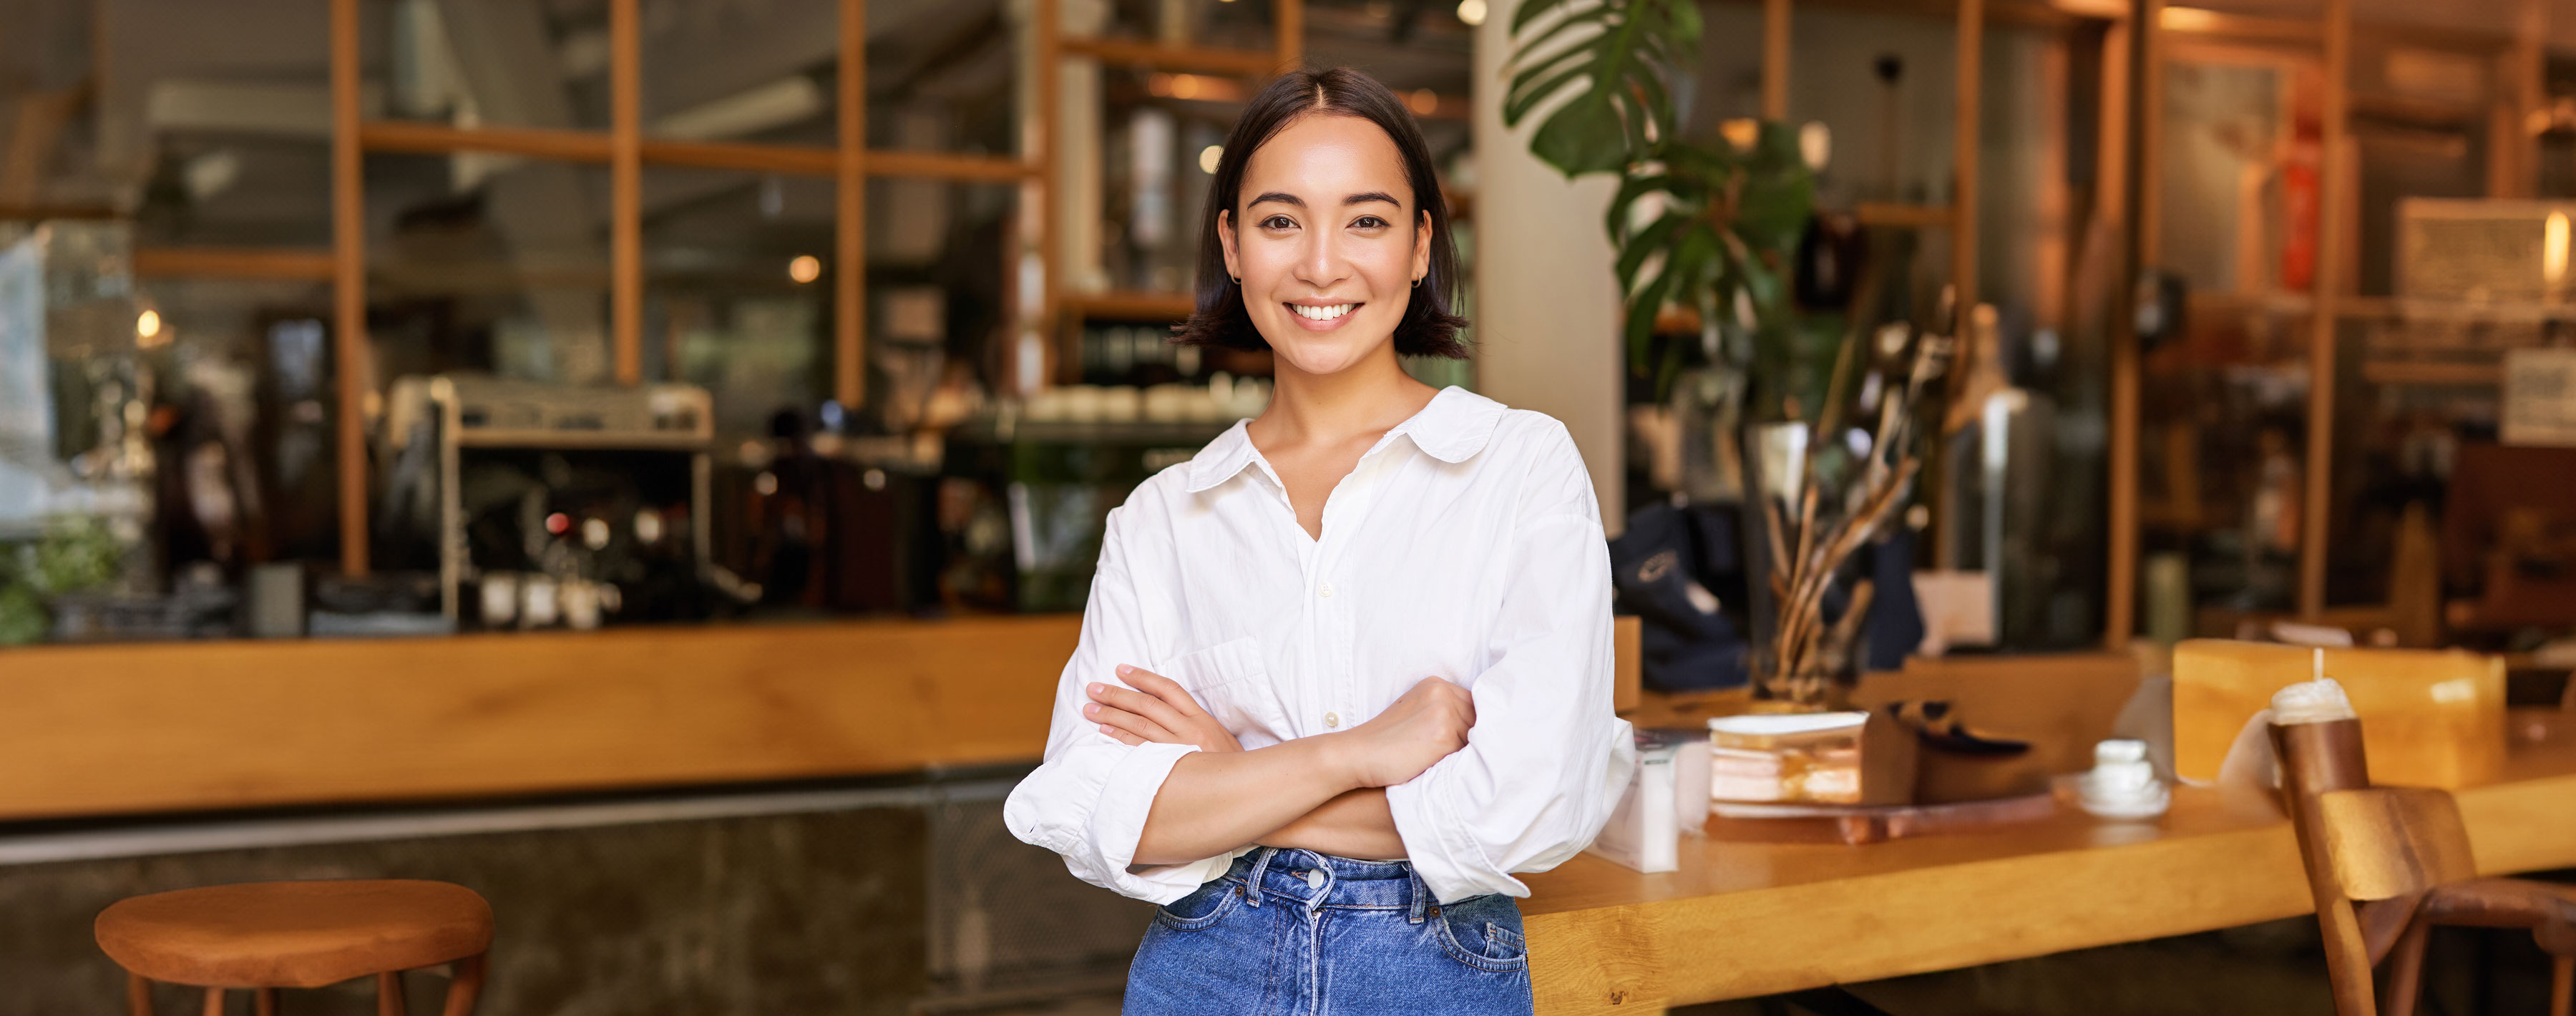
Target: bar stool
(263, 936)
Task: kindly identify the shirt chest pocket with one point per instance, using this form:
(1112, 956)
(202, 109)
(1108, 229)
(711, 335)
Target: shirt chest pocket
(1230, 681)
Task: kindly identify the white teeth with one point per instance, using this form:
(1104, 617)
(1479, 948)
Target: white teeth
(1321, 313)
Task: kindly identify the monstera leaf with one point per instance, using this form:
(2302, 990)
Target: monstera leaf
(1710, 224)
(1614, 60)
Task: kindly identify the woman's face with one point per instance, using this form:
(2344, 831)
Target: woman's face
(1321, 242)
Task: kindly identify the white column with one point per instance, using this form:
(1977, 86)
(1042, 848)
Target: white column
(1547, 305)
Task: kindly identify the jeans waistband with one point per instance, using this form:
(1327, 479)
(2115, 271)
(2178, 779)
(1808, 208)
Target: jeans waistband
(1312, 880)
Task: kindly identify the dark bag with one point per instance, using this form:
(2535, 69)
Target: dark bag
(1680, 570)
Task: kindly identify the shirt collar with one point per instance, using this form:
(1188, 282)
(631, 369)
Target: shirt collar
(1453, 428)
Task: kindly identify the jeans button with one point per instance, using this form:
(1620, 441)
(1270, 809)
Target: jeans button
(1314, 878)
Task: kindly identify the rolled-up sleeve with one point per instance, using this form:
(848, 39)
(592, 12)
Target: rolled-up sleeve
(1089, 799)
(1547, 758)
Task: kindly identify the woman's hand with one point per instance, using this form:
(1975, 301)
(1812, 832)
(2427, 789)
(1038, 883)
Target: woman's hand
(1422, 727)
(1159, 710)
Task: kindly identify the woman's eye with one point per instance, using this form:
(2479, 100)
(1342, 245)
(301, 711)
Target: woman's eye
(1368, 222)
(1277, 222)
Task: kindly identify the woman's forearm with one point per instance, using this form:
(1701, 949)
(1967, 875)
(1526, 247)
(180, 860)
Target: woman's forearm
(1356, 823)
(1215, 801)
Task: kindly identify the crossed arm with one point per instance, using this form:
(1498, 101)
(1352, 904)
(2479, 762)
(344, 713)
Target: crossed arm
(1323, 793)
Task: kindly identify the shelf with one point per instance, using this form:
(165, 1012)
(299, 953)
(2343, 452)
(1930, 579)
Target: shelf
(581, 440)
(1128, 306)
(285, 263)
(2419, 373)
(1250, 63)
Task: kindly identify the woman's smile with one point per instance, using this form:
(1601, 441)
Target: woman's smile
(1321, 316)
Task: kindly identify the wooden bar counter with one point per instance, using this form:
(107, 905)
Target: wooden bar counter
(140, 729)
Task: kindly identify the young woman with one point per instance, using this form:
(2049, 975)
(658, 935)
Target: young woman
(1347, 670)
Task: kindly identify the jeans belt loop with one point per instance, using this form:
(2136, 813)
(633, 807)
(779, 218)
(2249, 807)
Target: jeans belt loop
(1315, 904)
(1260, 866)
(1418, 892)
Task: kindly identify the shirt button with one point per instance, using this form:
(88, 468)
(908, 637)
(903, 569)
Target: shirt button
(1325, 590)
(1332, 719)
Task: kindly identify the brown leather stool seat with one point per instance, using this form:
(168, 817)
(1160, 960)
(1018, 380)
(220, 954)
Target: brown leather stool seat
(269, 935)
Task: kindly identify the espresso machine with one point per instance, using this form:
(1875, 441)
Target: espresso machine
(555, 503)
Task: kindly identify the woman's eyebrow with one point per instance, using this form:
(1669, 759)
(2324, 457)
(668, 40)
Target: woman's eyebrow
(1278, 196)
(1368, 196)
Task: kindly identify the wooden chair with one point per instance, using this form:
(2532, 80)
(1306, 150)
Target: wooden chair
(2387, 864)
(268, 935)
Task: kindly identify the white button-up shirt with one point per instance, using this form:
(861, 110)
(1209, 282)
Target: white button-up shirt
(1465, 545)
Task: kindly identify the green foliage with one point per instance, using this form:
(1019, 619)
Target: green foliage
(76, 554)
(1616, 58)
(1705, 224)
(22, 615)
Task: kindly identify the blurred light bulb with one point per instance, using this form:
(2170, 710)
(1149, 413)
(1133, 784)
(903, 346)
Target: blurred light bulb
(147, 325)
(1422, 101)
(2553, 250)
(1471, 11)
(805, 268)
(1209, 157)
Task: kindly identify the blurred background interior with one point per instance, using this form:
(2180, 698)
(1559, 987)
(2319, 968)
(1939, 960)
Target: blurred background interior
(414, 333)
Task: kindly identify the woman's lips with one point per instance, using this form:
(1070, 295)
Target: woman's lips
(1321, 318)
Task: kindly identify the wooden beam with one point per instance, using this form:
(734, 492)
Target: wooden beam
(1124, 306)
(349, 286)
(1971, 48)
(944, 166)
(236, 263)
(626, 190)
(1899, 215)
(850, 221)
(1775, 60)
(11, 211)
(2141, 95)
(1249, 63)
(441, 139)
(2514, 166)
(1042, 152)
(586, 146)
(2334, 192)
(1288, 25)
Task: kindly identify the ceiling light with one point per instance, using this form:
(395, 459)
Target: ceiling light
(147, 325)
(806, 268)
(1209, 157)
(1471, 11)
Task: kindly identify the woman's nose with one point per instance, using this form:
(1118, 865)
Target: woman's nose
(1320, 263)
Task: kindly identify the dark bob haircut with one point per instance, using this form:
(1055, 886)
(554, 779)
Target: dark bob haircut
(1428, 329)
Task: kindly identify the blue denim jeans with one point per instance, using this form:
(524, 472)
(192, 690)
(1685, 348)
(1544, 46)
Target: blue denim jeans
(1295, 932)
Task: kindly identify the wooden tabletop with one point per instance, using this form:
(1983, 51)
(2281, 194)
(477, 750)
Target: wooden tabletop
(1748, 919)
